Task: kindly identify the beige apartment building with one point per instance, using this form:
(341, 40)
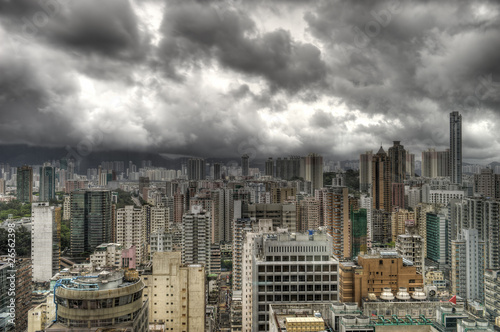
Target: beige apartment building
(176, 293)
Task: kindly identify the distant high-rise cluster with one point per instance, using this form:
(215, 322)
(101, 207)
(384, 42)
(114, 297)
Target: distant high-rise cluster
(295, 242)
(196, 169)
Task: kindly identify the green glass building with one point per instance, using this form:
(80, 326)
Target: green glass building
(437, 238)
(25, 184)
(91, 218)
(358, 232)
(47, 183)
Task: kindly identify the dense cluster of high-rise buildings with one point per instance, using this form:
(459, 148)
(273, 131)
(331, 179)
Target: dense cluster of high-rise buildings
(228, 247)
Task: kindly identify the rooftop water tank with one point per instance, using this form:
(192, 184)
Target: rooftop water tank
(403, 294)
(363, 320)
(349, 320)
(386, 294)
(418, 294)
(351, 306)
(468, 322)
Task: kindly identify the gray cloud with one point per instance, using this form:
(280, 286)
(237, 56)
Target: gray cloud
(196, 34)
(218, 78)
(321, 119)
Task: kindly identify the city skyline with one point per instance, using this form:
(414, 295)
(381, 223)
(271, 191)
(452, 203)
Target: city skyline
(236, 165)
(227, 78)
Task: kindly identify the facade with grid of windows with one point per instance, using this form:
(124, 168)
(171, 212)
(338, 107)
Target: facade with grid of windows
(291, 268)
(176, 293)
(437, 238)
(91, 220)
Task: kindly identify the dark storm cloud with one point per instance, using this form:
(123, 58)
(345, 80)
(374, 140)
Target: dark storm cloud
(200, 33)
(223, 78)
(108, 28)
(408, 60)
(26, 98)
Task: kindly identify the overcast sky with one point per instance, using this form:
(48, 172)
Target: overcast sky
(267, 78)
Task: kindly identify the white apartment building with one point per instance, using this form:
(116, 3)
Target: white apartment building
(131, 231)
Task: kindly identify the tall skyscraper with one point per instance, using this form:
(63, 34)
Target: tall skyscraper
(429, 163)
(381, 227)
(410, 164)
(443, 163)
(244, 165)
(45, 240)
(314, 170)
(398, 195)
(381, 181)
(25, 184)
(487, 184)
(196, 169)
(178, 207)
(217, 171)
(397, 157)
(365, 171)
(437, 238)
(336, 219)
(456, 148)
(47, 183)
(309, 217)
(131, 230)
(143, 183)
(358, 232)
(280, 168)
(491, 234)
(435, 163)
(467, 266)
(288, 168)
(269, 167)
(365, 202)
(483, 215)
(196, 237)
(90, 220)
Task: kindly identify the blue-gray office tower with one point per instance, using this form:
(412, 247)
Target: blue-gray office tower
(47, 186)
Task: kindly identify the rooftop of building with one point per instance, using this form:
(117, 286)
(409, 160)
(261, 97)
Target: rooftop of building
(385, 254)
(311, 235)
(87, 270)
(409, 236)
(103, 246)
(99, 280)
(299, 314)
(341, 308)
